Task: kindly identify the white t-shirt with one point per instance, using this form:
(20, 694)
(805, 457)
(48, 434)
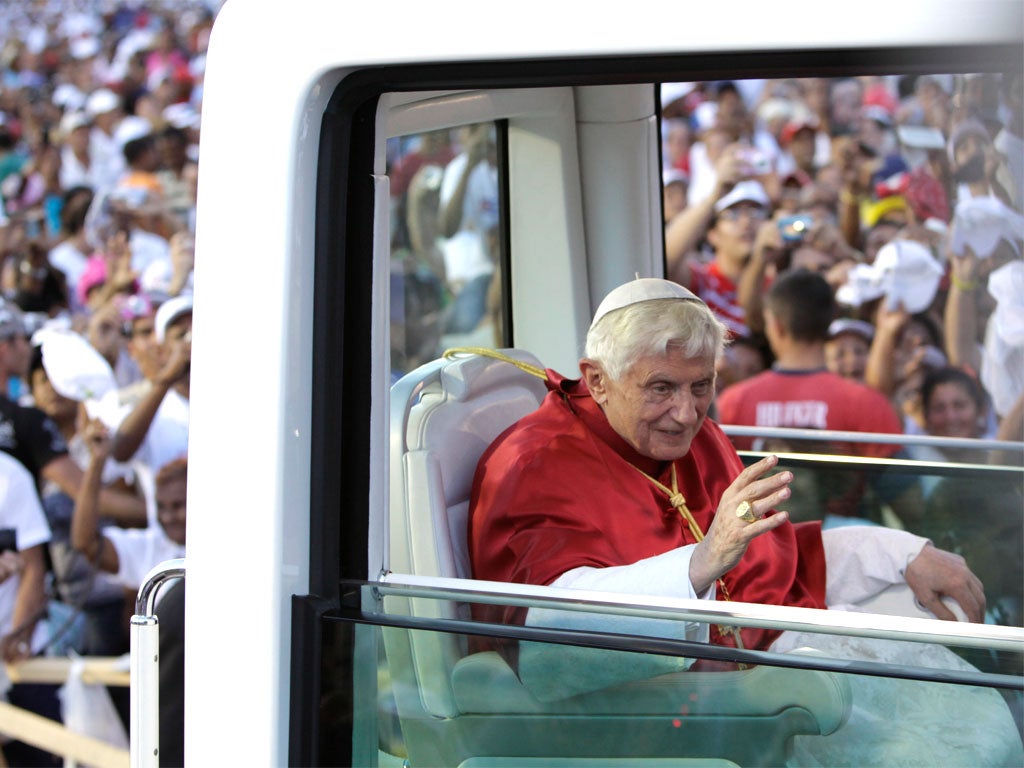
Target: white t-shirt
(139, 550)
(465, 253)
(20, 509)
(167, 437)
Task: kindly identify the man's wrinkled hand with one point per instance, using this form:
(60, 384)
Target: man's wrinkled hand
(935, 574)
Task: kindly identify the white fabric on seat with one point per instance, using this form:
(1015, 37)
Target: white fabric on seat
(443, 417)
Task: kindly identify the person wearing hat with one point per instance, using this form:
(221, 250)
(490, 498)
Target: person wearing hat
(729, 222)
(130, 553)
(104, 108)
(76, 166)
(155, 430)
(799, 142)
(846, 351)
(30, 435)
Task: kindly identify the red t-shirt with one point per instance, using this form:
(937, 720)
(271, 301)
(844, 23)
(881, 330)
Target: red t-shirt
(810, 400)
(560, 489)
(720, 293)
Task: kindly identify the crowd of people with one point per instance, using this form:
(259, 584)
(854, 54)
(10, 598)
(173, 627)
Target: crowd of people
(100, 105)
(862, 240)
(904, 193)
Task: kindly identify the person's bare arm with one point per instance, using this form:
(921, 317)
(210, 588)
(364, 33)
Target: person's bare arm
(85, 534)
(29, 605)
(476, 151)
(878, 371)
(764, 256)
(127, 509)
(1011, 428)
(961, 313)
(684, 232)
(133, 429)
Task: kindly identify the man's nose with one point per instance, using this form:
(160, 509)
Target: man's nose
(684, 407)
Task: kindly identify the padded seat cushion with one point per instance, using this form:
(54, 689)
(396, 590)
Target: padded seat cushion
(484, 683)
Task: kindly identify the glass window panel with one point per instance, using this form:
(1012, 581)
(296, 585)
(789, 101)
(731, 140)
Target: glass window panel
(974, 511)
(445, 241)
(487, 716)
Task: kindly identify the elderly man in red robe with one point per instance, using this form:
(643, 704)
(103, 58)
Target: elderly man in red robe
(619, 482)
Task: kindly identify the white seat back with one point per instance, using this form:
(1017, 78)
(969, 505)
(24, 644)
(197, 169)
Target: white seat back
(443, 416)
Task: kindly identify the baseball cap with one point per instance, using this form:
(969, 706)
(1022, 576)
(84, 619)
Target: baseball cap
(639, 290)
(132, 128)
(93, 276)
(181, 115)
(851, 325)
(170, 311)
(72, 121)
(904, 271)
(101, 101)
(963, 129)
(793, 127)
(74, 367)
(748, 191)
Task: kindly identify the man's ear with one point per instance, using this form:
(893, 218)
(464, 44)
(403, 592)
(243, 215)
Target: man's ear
(595, 379)
(772, 326)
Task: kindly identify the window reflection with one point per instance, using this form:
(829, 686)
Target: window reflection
(445, 286)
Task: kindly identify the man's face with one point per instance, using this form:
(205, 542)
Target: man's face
(734, 231)
(802, 147)
(17, 354)
(49, 401)
(105, 333)
(170, 508)
(180, 330)
(659, 404)
(143, 348)
(178, 334)
(847, 356)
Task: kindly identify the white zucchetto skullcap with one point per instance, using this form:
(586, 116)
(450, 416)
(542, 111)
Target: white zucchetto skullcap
(641, 289)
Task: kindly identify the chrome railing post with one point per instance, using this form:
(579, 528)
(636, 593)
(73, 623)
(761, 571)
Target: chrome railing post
(144, 730)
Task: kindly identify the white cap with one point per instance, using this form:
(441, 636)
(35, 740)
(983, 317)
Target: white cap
(748, 191)
(101, 101)
(904, 271)
(641, 289)
(84, 47)
(851, 325)
(181, 115)
(132, 127)
(73, 366)
(73, 121)
(170, 311)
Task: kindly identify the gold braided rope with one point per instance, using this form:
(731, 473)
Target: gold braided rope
(677, 500)
(533, 370)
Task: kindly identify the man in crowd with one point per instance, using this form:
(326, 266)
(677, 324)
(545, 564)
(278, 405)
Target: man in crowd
(799, 391)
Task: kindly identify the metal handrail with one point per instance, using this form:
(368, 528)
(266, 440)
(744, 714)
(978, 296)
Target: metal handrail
(961, 634)
(886, 438)
(144, 697)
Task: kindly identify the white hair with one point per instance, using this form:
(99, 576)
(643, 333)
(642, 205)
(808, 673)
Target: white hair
(650, 327)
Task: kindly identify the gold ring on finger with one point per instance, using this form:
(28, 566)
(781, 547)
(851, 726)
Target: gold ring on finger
(745, 512)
